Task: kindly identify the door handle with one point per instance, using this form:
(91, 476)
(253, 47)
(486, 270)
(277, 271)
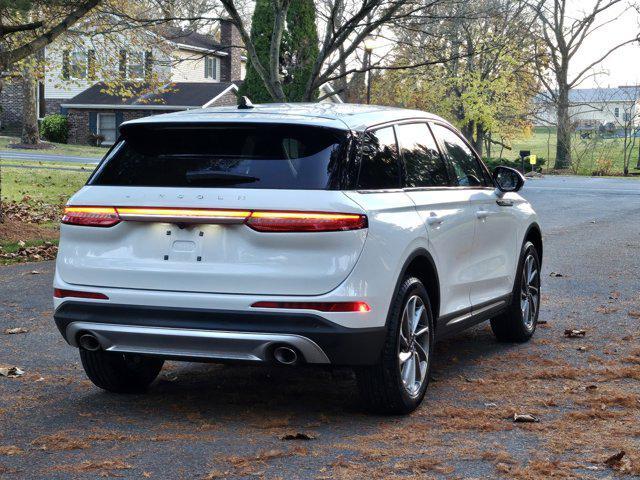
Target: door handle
(504, 203)
(434, 220)
(482, 214)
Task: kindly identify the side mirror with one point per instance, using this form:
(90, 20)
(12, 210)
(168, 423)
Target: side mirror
(508, 179)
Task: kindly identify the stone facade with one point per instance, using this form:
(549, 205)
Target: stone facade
(11, 103)
(230, 67)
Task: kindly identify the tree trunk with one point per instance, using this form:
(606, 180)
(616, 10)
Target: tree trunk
(30, 135)
(563, 146)
(468, 129)
(478, 142)
(1, 207)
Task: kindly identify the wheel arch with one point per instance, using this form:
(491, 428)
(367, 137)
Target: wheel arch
(420, 264)
(534, 235)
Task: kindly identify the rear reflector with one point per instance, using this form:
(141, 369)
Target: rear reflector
(91, 216)
(320, 306)
(305, 222)
(60, 293)
(261, 221)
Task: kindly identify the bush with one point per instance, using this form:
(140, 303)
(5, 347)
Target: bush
(492, 163)
(95, 139)
(604, 166)
(55, 128)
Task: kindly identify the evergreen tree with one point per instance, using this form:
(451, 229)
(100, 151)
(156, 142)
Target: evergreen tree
(261, 28)
(298, 51)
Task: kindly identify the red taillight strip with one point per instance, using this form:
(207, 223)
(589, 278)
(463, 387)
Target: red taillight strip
(60, 293)
(361, 307)
(261, 221)
(91, 216)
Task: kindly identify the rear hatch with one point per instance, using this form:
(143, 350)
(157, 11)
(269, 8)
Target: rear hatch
(217, 208)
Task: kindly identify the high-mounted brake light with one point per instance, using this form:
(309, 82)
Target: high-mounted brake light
(305, 221)
(261, 221)
(91, 216)
(60, 293)
(361, 307)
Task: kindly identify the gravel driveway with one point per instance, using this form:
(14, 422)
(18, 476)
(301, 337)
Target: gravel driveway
(212, 421)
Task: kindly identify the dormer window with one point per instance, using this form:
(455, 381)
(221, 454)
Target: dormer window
(135, 65)
(211, 68)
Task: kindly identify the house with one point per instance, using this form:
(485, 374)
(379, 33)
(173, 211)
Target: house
(160, 71)
(591, 108)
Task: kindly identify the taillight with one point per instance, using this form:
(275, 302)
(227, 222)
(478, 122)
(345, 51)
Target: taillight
(60, 293)
(91, 216)
(261, 221)
(320, 306)
(305, 221)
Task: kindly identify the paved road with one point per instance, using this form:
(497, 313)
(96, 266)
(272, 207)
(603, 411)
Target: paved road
(209, 421)
(45, 157)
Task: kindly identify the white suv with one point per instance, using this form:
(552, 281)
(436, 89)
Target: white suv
(304, 233)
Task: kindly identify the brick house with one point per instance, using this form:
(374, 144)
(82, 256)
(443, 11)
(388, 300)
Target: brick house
(194, 70)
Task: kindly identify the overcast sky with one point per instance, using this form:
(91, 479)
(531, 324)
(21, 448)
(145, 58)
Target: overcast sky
(623, 66)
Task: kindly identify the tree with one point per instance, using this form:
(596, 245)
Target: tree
(564, 33)
(486, 80)
(298, 49)
(345, 26)
(27, 26)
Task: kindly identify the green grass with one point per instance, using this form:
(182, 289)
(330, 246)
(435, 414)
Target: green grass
(586, 153)
(49, 186)
(60, 148)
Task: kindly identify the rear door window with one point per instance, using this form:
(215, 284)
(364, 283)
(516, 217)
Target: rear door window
(467, 168)
(423, 164)
(227, 156)
(380, 166)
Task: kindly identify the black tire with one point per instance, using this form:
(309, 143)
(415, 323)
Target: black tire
(512, 326)
(381, 386)
(120, 372)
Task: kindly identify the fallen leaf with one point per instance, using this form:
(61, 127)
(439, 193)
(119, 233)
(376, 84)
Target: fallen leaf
(606, 310)
(555, 274)
(525, 418)
(35, 272)
(11, 372)
(542, 322)
(614, 295)
(21, 243)
(618, 462)
(574, 333)
(298, 436)
(12, 331)
(591, 387)
(634, 313)
(581, 349)
(10, 450)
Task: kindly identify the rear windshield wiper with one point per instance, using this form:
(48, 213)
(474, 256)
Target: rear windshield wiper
(225, 177)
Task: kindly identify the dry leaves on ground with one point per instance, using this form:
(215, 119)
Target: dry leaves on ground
(10, 371)
(16, 330)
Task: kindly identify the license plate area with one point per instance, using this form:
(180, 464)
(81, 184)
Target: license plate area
(184, 243)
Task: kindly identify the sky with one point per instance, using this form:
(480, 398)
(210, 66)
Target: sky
(623, 66)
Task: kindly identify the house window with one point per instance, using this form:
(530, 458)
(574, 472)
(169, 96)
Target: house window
(77, 61)
(626, 117)
(107, 127)
(616, 112)
(211, 68)
(136, 65)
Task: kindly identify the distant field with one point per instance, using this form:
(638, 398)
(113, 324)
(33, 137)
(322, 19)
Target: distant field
(586, 152)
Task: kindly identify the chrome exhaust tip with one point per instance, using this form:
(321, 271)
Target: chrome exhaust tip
(89, 342)
(285, 356)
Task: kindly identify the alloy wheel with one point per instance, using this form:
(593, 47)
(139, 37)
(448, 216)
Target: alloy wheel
(530, 291)
(415, 342)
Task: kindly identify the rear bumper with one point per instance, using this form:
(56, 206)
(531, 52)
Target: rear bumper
(203, 334)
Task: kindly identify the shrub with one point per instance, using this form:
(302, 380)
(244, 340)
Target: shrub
(95, 139)
(604, 166)
(55, 128)
(492, 163)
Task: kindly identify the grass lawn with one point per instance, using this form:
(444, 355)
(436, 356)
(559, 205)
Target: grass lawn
(586, 152)
(60, 148)
(49, 186)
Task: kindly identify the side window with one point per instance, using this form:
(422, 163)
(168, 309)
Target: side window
(379, 167)
(468, 171)
(423, 163)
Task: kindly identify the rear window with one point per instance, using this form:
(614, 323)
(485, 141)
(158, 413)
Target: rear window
(231, 156)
